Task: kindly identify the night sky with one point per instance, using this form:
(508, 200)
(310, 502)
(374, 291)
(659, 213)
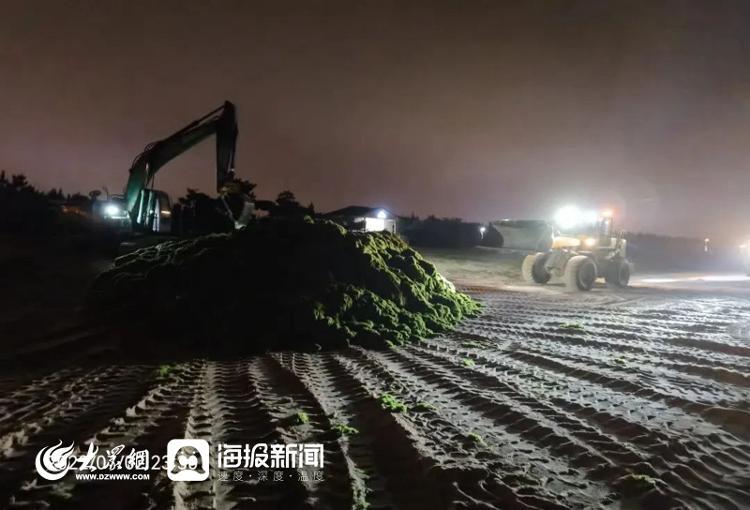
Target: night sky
(482, 110)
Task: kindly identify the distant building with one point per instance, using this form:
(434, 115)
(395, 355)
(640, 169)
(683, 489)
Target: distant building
(364, 219)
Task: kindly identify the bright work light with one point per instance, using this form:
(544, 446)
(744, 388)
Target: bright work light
(112, 210)
(568, 217)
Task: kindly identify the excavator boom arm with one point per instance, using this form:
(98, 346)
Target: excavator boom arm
(222, 122)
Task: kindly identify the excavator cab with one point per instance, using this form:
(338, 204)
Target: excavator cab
(153, 211)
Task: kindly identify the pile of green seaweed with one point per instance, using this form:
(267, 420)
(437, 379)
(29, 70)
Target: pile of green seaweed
(284, 284)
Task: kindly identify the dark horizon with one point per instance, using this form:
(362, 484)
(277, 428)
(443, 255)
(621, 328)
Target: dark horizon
(477, 110)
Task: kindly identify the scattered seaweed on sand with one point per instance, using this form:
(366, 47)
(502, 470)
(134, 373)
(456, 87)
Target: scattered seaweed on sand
(635, 485)
(344, 429)
(475, 439)
(301, 284)
(423, 406)
(163, 371)
(302, 418)
(392, 404)
(391, 345)
(572, 326)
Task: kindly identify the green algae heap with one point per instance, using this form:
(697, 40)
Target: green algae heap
(284, 284)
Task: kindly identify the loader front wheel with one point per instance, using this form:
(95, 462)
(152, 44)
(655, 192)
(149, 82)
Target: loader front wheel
(580, 273)
(533, 270)
(618, 274)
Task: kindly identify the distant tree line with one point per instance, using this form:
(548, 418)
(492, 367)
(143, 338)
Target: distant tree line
(27, 210)
(23, 208)
(285, 205)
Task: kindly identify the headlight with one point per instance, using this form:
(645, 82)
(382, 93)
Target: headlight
(568, 217)
(112, 210)
(589, 242)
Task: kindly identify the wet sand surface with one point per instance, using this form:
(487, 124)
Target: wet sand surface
(637, 398)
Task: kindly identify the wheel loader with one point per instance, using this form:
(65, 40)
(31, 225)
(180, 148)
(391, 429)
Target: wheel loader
(583, 249)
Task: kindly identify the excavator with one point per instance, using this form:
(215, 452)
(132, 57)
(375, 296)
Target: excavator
(145, 209)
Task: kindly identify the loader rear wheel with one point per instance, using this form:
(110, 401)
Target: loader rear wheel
(580, 273)
(533, 270)
(618, 274)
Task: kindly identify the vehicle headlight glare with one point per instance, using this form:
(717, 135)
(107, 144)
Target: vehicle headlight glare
(112, 210)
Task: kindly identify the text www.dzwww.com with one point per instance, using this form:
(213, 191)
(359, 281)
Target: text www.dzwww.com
(113, 476)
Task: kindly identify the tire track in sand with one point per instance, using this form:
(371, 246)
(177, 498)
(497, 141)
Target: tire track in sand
(463, 469)
(233, 408)
(89, 406)
(733, 420)
(637, 449)
(150, 422)
(288, 399)
(39, 397)
(509, 417)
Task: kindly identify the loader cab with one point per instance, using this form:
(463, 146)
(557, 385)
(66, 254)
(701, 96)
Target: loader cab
(604, 228)
(590, 232)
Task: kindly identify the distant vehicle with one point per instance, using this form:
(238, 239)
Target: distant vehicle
(583, 248)
(745, 254)
(145, 209)
(526, 235)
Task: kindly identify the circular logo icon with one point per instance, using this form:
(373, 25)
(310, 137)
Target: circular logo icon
(53, 462)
